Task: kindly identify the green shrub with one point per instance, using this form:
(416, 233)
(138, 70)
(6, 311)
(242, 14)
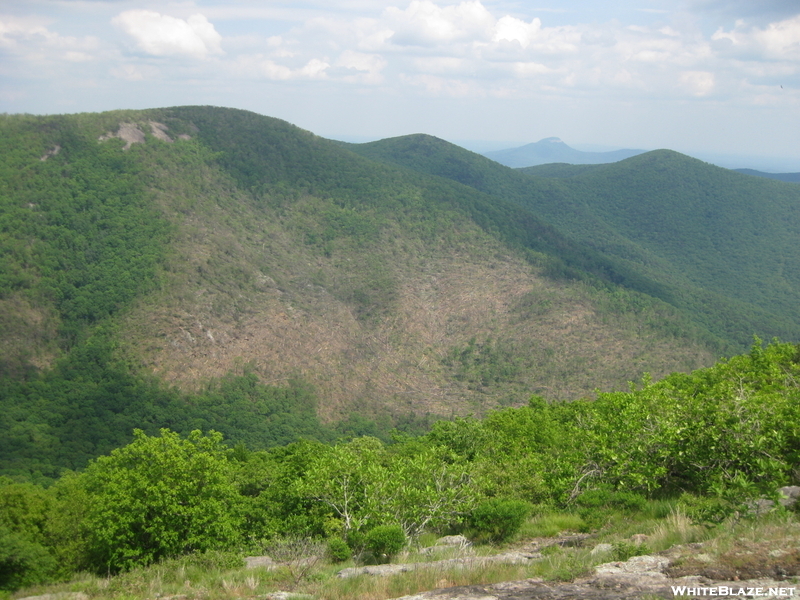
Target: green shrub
(706, 510)
(385, 541)
(595, 506)
(338, 550)
(624, 550)
(498, 520)
(621, 500)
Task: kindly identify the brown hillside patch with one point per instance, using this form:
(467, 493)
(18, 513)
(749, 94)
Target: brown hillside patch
(245, 287)
(29, 336)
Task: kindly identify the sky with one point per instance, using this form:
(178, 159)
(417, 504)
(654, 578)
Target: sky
(704, 77)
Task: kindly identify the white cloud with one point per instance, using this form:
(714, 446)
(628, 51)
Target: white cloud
(424, 23)
(14, 31)
(366, 67)
(698, 83)
(258, 66)
(162, 35)
(781, 40)
(513, 29)
(34, 41)
(777, 41)
(314, 69)
(412, 49)
(530, 69)
(443, 86)
(134, 72)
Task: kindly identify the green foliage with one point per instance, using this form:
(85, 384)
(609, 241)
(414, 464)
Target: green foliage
(597, 506)
(624, 550)
(484, 363)
(208, 560)
(168, 496)
(66, 534)
(498, 520)
(706, 510)
(620, 500)
(23, 562)
(385, 541)
(93, 229)
(90, 403)
(25, 558)
(365, 484)
(338, 551)
(160, 497)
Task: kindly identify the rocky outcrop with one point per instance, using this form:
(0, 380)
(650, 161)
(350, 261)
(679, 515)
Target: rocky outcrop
(131, 134)
(638, 578)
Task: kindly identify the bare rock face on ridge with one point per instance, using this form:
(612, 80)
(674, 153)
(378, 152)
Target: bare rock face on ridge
(131, 134)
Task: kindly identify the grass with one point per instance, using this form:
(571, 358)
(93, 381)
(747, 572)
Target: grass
(550, 524)
(735, 549)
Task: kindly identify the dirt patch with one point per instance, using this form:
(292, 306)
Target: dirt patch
(30, 336)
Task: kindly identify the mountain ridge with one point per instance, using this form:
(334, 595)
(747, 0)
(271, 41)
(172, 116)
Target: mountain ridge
(573, 204)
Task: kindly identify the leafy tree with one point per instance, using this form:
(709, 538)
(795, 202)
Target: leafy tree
(424, 491)
(345, 479)
(24, 557)
(161, 496)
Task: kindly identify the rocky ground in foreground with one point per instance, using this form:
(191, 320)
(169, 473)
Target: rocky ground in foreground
(644, 577)
(752, 561)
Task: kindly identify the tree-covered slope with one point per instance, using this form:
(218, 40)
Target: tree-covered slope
(717, 245)
(725, 234)
(199, 267)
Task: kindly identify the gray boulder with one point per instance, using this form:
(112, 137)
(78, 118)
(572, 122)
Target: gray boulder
(791, 494)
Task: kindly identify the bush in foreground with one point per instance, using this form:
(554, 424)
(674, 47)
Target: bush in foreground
(497, 520)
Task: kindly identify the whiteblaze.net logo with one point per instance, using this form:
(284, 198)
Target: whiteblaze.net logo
(743, 592)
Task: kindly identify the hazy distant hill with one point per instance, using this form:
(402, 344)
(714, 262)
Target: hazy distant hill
(789, 177)
(553, 150)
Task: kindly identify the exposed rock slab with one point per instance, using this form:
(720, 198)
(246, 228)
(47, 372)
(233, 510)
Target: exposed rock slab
(639, 578)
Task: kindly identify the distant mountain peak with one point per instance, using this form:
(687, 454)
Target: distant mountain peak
(555, 150)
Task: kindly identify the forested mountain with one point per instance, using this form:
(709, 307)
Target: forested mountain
(553, 150)
(209, 268)
(717, 245)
